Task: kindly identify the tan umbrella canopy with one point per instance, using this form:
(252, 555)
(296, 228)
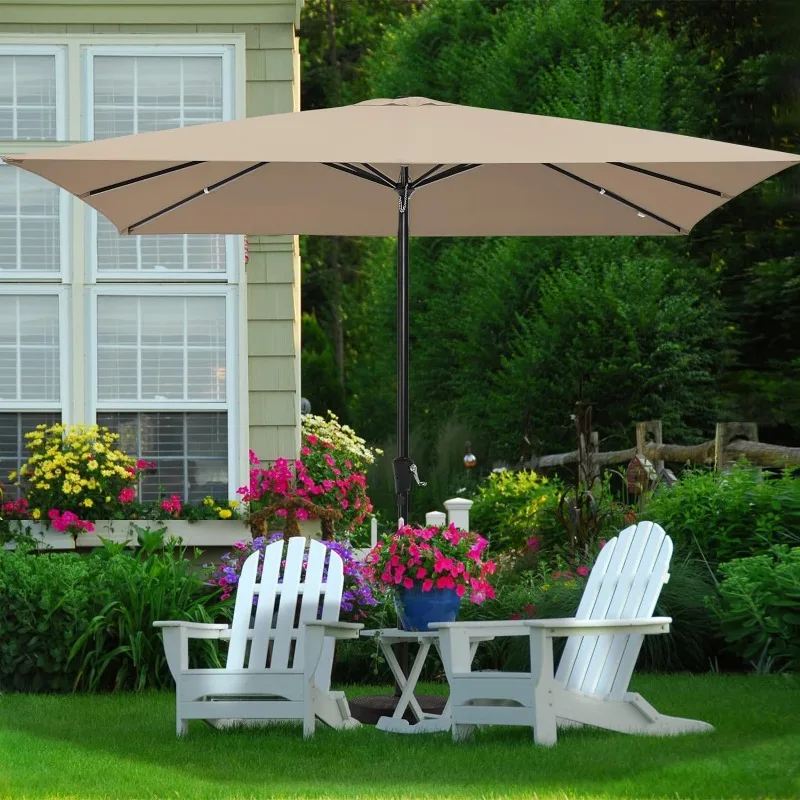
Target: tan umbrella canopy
(345, 171)
(536, 175)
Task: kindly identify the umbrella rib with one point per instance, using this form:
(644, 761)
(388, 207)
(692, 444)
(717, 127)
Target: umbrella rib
(448, 173)
(207, 190)
(157, 174)
(615, 196)
(430, 172)
(385, 178)
(349, 169)
(670, 179)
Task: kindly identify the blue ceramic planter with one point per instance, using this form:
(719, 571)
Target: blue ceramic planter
(416, 609)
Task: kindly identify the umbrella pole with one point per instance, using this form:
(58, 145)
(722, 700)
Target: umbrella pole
(403, 465)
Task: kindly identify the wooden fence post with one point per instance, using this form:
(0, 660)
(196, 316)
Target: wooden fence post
(650, 432)
(726, 433)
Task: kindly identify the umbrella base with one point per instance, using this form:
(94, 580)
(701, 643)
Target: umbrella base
(368, 710)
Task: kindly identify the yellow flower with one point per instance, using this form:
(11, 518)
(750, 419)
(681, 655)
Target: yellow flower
(233, 503)
(12, 475)
(66, 488)
(225, 513)
(91, 466)
(76, 489)
(208, 501)
(108, 499)
(88, 502)
(36, 513)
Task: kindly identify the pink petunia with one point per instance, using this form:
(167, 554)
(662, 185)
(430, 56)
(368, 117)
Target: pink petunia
(305, 451)
(427, 585)
(408, 583)
(126, 495)
(421, 573)
(461, 589)
(582, 571)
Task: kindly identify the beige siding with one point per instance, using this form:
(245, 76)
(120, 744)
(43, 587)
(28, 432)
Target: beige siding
(273, 82)
(146, 12)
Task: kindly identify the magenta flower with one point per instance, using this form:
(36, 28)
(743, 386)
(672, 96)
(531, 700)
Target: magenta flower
(126, 495)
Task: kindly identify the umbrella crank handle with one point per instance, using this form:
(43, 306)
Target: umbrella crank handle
(415, 473)
(404, 470)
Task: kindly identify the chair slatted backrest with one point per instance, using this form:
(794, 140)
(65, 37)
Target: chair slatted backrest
(301, 585)
(625, 583)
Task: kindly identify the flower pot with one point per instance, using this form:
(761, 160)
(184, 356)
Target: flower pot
(417, 609)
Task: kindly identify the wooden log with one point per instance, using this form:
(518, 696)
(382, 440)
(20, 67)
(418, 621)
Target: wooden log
(764, 455)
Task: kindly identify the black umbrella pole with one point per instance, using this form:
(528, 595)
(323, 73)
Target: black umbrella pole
(402, 464)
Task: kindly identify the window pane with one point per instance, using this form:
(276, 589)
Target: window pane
(190, 450)
(28, 97)
(133, 94)
(13, 427)
(166, 253)
(30, 232)
(29, 348)
(161, 348)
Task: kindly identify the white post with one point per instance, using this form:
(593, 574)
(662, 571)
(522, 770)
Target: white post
(435, 518)
(458, 512)
(373, 532)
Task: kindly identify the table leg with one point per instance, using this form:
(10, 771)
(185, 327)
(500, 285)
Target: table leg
(406, 684)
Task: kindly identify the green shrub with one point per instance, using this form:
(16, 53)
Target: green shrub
(689, 646)
(730, 515)
(72, 622)
(759, 608)
(511, 507)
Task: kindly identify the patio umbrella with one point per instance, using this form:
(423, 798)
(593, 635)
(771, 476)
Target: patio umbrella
(362, 170)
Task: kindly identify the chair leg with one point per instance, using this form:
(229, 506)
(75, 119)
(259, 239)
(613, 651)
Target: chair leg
(309, 717)
(182, 727)
(462, 732)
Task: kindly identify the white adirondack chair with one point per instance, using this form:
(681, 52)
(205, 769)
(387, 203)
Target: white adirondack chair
(276, 645)
(603, 643)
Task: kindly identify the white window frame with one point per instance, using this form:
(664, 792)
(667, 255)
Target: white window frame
(63, 404)
(63, 274)
(227, 53)
(233, 395)
(62, 99)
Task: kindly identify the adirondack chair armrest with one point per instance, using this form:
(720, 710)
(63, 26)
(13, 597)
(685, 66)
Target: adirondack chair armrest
(194, 630)
(176, 635)
(337, 630)
(570, 626)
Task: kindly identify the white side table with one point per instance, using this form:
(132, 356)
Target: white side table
(426, 723)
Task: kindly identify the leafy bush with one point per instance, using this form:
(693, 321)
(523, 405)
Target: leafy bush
(512, 507)
(545, 593)
(72, 622)
(728, 516)
(758, 604)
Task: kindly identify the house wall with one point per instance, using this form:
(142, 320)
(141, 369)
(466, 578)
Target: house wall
(270, 343)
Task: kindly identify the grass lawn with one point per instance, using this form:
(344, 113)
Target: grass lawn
(124, 747)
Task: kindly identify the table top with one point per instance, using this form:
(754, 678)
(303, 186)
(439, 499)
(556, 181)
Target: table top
(400, 635)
